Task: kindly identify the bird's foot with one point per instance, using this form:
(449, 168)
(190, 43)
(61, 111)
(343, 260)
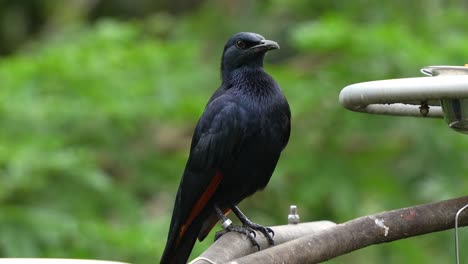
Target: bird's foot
(247, 231)
(246, 223)
(266, 231)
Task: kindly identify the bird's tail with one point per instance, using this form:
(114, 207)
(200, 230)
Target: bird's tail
(178, 248)
(191, 209)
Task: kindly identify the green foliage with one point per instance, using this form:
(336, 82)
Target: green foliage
(80, 163)
(96, 122)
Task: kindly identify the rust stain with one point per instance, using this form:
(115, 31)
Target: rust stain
(409, 215)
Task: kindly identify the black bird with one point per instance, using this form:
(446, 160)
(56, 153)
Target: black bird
(235, 147)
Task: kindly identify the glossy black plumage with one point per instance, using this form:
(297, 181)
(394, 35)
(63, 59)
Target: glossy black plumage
(235, 147)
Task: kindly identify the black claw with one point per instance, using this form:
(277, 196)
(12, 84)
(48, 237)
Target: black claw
(248, 228)
(254, 242)
(247, 231)
(220, 234)
(246, 223)
(271, 241)
(271, 231)
(253, 233)
(266, 231)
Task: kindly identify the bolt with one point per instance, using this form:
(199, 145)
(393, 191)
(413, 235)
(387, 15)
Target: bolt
(424, 108)
(293, 217)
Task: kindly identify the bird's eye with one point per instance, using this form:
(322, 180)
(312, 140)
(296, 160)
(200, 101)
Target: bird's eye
(240, 44)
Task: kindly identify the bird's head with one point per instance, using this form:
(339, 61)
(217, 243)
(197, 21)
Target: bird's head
(245, 49)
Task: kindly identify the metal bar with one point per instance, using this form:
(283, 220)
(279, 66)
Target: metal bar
(400, 110)
(233, 245)
(387, 96)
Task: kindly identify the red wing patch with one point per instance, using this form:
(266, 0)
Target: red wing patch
(200, 204)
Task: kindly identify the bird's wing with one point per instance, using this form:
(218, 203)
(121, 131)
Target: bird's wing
(217, 137)
(286, 128)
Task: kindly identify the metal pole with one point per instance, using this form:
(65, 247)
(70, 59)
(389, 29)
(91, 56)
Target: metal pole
(388, 96)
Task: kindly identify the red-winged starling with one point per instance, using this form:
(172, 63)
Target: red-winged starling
(235, 147)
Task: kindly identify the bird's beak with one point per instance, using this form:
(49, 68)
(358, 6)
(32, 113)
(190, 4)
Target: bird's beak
(265, 45)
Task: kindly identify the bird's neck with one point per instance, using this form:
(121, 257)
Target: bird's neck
(244, 75)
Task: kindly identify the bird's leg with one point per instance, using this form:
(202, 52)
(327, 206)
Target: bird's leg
(225, 222)
(227, 225)
(251, 226)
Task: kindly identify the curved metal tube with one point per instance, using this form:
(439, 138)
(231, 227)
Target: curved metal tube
(457, 251)
(388, 96)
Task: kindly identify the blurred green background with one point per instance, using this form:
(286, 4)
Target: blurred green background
(98, 100)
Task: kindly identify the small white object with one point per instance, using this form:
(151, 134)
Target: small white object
(226, 223)
(380, 223)
(293, 217)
